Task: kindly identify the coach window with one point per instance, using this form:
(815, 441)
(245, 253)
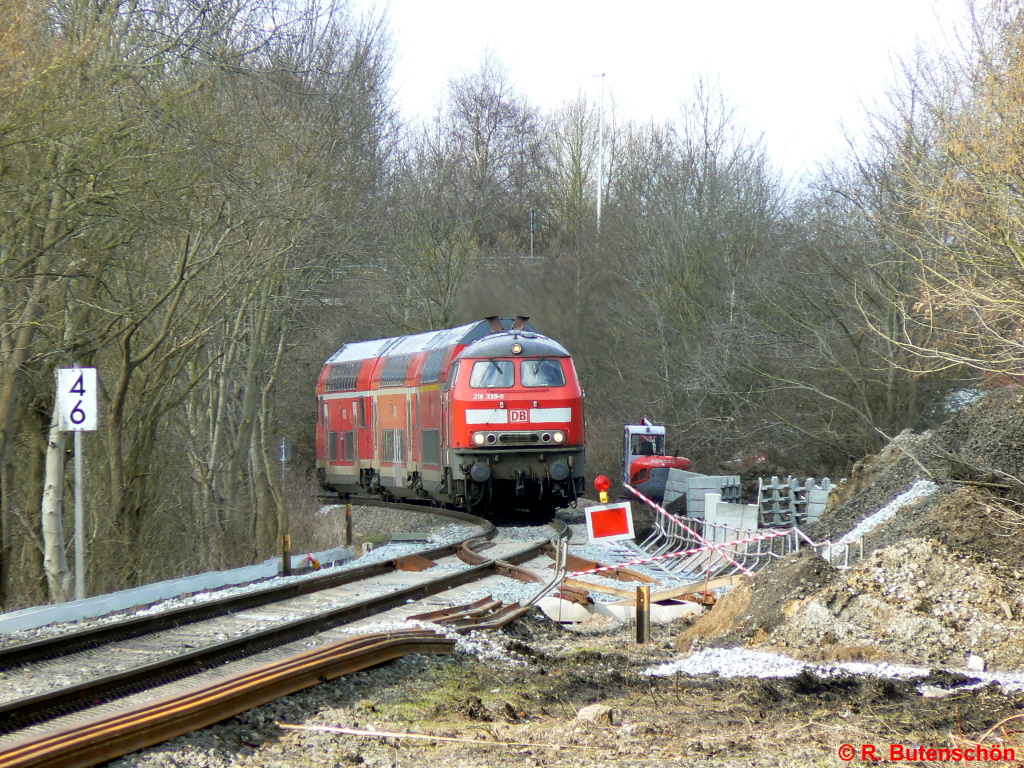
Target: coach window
(492, 374)
(542, 373)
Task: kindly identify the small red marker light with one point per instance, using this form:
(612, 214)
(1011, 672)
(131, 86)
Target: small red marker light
(601, 485)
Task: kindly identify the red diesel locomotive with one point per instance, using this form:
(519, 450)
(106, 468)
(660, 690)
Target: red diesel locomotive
(487, 417)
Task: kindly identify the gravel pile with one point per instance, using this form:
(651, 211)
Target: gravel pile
(943, 582)
(755, 607)
(916, 602)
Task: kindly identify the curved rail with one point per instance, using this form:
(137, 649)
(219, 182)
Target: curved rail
(18, 714)
(94, 637)
(104, 738)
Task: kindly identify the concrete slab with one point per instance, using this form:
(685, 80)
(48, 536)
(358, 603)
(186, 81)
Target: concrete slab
(661, 613)
(563, 611)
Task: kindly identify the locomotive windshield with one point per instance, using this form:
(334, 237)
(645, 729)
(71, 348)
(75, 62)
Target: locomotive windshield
(492, 374)
(542, 373)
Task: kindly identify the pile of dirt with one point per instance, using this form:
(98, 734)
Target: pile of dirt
(916, 602)
(985, 442)
(755, 607)
(976, 459)
(943, 577)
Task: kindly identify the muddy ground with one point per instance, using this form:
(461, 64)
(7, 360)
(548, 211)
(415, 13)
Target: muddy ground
(529, 709)
(942, 583)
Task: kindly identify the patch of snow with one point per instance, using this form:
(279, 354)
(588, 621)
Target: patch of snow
(742, 662)
(476, 644)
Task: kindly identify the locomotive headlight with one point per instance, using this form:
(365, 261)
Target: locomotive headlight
(517, 348)
(558, 436)
(478, 438)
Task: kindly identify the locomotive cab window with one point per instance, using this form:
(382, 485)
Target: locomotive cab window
(492, 374)
(542, 373)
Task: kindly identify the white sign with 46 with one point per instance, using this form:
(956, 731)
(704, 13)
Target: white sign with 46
(76, 399)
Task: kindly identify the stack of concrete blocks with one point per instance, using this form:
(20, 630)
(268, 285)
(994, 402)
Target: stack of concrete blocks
(817, 497)
(694, 486)
(678, 484)
(791, 503)
(738, 520)
(723, 522)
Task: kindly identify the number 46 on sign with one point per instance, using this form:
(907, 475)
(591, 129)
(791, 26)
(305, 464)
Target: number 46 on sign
(76, 399)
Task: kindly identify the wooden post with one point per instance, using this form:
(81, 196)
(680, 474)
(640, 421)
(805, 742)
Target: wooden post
(348, 525)
(643, 614)
(286, 555)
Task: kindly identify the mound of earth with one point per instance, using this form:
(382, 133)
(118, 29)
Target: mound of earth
(976, 460)
(916, 602)
(755, 607)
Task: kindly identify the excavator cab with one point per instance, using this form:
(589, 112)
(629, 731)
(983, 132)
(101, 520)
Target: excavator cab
(641, 440)
(644, 463)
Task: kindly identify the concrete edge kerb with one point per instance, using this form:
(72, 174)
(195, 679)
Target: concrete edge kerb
(91, 607)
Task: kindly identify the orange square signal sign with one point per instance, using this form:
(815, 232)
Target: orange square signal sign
(610, 522)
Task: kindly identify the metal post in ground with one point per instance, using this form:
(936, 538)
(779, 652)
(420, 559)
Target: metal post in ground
(282, 512)
(79, 517)
(643, 614)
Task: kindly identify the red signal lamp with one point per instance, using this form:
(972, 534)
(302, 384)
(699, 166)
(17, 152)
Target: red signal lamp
(602, 485)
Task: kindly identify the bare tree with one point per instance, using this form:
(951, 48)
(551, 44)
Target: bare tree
(178, 182)
(958, 159)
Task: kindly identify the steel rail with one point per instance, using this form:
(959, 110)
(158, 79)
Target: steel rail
(94, 637)
(104, 738)
(18, 714)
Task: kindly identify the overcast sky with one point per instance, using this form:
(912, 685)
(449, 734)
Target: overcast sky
(795, 69)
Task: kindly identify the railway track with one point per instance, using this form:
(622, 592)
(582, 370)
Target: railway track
(34, 728)
(93, 637)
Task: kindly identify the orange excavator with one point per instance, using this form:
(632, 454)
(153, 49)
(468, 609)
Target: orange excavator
(645, 465)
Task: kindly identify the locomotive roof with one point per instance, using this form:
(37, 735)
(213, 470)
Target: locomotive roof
(500, 345)
(420, 342)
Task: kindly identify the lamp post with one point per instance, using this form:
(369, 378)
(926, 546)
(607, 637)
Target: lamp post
(600, 157)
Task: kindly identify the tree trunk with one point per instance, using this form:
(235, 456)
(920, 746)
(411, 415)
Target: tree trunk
(31, 571)
(55, 564)
(266, 520)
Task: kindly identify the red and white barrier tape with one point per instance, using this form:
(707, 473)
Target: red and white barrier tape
(684, 553)
(685, 527)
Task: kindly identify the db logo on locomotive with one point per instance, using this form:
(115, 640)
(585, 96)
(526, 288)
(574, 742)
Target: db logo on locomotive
(518, 415)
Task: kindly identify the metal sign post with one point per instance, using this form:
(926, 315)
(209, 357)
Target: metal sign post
(286, 538)
(76, 412)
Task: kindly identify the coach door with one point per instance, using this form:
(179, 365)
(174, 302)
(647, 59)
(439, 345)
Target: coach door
(365, 431)
(321, 429)
(446, 411)
(412, 429)
(355, 431)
